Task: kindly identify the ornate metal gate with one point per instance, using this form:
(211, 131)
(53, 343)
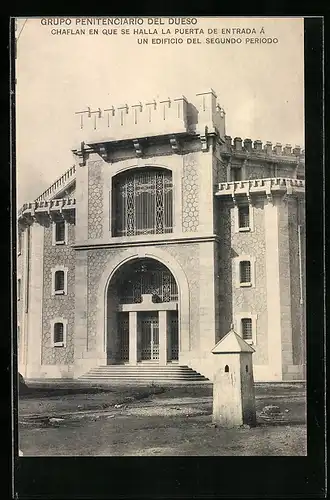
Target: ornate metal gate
(143, 202)
(174, 335)
(149, 336)
(123, 337)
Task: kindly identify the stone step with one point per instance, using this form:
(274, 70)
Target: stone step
(137, 370)
(143, 373)
(151, 374)
(144, 377)
(142, 369)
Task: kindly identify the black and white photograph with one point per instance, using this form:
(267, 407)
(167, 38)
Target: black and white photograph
(161, 264)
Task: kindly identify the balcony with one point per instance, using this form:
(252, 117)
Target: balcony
(47, 207)
(268, 187)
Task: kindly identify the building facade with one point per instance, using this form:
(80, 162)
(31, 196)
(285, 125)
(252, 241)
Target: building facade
(163, 234)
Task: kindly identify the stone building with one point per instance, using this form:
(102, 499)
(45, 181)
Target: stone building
(163, 234)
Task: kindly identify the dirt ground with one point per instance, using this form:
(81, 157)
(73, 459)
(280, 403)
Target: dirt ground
(154, 421)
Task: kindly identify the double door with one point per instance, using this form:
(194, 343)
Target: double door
(149, 330)
(147, 336)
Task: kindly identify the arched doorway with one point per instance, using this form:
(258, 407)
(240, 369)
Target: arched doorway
(142, 314)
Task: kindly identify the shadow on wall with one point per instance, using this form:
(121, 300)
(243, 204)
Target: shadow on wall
(226, 255)
(192, 116)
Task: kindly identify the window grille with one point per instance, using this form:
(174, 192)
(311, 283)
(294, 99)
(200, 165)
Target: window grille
(59, 281)
(245, 271)
(148, 278)
(244, 216)
(143, 203)
(58, 333)
(247, 328)
(60, 232)
(123, 331)
(174, 335)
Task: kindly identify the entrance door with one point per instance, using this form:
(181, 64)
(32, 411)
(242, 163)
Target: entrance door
(149, 327)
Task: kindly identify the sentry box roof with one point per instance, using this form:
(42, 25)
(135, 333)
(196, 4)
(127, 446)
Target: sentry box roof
(231, 343)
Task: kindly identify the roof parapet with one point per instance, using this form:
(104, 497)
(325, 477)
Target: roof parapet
(154, 117)
(160, 117)
(258, 147)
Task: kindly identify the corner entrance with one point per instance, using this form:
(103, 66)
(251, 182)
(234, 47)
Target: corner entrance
(149, 331)
(142, 315)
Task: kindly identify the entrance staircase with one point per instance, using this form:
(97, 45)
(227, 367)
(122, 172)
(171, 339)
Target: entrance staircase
(148, 373)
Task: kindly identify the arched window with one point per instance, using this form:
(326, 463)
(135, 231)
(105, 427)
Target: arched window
(146, 276)
(59, 280)
(143, 202)
(58, 332)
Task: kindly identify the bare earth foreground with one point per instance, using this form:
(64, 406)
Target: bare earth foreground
(154, 421)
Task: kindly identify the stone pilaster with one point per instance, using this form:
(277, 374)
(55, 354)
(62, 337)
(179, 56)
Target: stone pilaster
(162, 318)
(273, 289)
(81, 227)
(132, 322)
(24, 308)
(35, 294)
(81, 310)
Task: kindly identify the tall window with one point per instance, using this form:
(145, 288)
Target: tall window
(59, 328)
(60, 232)
(245, 271)
(19, 289)
(244, 216)
(143, 202)
(58, 333)
(59, 282)
(247, 328)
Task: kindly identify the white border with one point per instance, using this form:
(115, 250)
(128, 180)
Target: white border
(19, 288)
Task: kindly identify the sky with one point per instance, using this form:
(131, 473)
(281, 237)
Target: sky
(260, 85)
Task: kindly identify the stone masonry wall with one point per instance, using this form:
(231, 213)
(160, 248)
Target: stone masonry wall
(59, 305)
(295, 282)
(95, 199)
(225, 289)
(236, 300)
(253, 299)
(258, 172)
(96, 263)
(285, 282)
(190, 198)
(187, 257)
